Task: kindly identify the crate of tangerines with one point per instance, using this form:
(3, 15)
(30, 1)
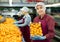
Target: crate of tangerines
(36, 29)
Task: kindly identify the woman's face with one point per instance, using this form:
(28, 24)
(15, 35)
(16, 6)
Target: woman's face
(40, 10)
(23, 12)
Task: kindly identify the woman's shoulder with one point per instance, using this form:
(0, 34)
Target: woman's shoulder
(36, 18)
(27, 16)
(49, 16)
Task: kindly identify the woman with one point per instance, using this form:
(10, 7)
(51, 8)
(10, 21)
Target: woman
(24, 26)
(47, 23)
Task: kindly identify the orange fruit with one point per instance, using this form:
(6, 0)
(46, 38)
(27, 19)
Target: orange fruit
(35, 29)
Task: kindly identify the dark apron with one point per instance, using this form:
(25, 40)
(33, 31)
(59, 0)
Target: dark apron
(45, 31)
(25, 32)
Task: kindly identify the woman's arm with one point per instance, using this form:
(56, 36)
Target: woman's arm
(20, 21)
(51, 30)
(27, 21)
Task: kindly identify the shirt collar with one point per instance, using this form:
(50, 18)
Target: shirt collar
(42, 17)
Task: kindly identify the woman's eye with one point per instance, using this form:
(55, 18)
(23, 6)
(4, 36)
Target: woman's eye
(41, 7)
(37, 8)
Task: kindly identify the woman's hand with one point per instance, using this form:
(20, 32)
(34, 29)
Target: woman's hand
(38, 38)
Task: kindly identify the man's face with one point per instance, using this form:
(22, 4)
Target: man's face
(40, 9)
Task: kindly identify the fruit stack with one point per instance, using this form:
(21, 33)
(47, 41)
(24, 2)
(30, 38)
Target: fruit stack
(9, 32)
(36, 29)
